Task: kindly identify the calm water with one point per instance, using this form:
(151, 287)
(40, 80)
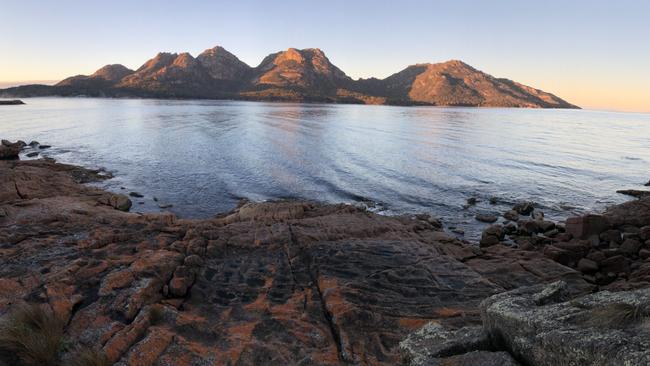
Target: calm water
(203, 156)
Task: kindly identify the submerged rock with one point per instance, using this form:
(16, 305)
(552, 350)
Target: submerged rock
(489, 218)
(524, 208)
(634, 193)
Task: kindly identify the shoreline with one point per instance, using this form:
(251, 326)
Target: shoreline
(467, 226)
(331, 284)
(309, 102)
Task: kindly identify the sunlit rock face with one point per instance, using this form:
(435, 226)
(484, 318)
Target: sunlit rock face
(223, 65)
(308, 68)
(297, 75)
(456, 83)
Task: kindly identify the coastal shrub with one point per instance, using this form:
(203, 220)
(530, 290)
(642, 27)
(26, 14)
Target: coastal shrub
(617, 315)
(31, 335)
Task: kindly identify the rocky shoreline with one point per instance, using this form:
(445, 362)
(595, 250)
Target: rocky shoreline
(303, 283)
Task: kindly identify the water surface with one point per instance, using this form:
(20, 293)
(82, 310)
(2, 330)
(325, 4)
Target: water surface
(203, 156)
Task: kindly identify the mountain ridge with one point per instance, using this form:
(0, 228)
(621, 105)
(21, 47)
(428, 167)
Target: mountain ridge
(303, 75)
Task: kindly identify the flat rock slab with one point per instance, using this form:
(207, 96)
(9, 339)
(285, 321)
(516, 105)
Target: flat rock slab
(605, 328)
(271, 283)
(476, 358)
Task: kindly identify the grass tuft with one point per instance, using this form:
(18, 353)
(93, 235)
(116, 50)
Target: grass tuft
(617, 315)
(31, 335)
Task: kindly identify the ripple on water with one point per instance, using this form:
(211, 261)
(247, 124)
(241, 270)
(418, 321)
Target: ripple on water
(204, 156)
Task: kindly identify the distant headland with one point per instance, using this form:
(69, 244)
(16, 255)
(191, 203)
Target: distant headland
(11, 102)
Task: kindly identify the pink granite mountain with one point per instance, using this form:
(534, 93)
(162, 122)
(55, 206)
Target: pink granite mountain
(297, 75)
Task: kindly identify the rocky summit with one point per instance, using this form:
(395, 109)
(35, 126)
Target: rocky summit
(296, 75)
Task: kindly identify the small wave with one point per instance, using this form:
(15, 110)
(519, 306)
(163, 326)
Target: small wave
(631, 158)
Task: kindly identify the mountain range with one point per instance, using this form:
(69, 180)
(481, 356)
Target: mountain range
(295, 75)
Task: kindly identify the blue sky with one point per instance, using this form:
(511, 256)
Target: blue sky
(593, 53)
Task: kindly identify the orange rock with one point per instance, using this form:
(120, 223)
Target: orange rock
(148, 350)
(122, 341)
(116, 280)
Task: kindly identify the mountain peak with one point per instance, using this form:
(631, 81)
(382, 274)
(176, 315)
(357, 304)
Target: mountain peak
(184, 60)
(113, 72)
(222, 64)
(300, 68)
(454, 62)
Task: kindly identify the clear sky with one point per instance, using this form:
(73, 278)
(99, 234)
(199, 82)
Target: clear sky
(593, 53)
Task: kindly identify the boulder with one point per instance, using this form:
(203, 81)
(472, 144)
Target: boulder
(584, 226)
(545, 225)
(193, 261)
(587, 265)
(596, 256)
(117, 201)
(489, 218)
(583, 331)
(510, 228)
(615, 264)
(433, 341)
(9, 150)
(180, 283)
(511, 215)
(611, 235)
(636, 213)
(630, 247)
(561, 255)
(492, 235)
(595, 242)
(644, 233)
(528, 227)
(644, 253)
(524, 208)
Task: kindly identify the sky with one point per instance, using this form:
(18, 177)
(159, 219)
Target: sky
(593, 53)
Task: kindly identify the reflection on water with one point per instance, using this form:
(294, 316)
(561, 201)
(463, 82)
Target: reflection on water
(202, 156)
